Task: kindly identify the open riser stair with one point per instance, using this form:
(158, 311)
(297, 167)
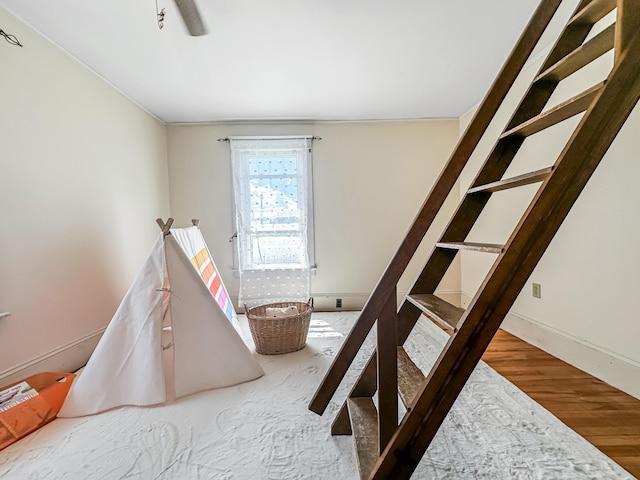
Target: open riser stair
(391, 449)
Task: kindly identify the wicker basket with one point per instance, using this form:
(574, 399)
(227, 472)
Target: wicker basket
(276, 335)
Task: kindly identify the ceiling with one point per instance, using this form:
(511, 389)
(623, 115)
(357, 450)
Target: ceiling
(289, 60)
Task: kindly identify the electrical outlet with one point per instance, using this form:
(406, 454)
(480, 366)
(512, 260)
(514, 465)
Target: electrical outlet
(338, 303)
(536, 290)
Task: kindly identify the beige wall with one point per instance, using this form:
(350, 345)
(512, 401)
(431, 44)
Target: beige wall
(589, 275)
(369, 180)
(83, 177)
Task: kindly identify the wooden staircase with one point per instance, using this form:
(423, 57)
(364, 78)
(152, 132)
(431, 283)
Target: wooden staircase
(385, 449)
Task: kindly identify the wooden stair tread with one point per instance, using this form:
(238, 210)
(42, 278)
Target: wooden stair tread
(438, 310)
(410, 378)
(583, 55)
(592, 12)
(476, 247)
(513, 182)
(557, 114)
(364, 424)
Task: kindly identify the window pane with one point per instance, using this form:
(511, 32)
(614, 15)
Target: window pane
(274, 193)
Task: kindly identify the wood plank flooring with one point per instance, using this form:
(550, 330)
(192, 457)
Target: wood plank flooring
(605, 416)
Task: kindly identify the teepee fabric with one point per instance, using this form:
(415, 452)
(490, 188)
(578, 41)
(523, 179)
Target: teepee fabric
(208, 352)
(126, 366)
(130, 365)
(193, 244)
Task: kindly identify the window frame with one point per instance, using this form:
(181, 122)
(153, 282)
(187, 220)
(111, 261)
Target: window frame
(309, 198)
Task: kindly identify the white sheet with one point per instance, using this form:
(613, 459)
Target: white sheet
(263, 430)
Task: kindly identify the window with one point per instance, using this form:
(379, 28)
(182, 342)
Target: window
(274, 212)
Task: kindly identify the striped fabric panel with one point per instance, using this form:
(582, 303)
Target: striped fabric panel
(204, 265)
(194, 246)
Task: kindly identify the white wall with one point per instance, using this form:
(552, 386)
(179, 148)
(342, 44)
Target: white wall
(83, 177)
(589, 275)
(369, 182)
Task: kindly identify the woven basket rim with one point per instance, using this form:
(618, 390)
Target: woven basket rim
(250, 311)
(276, 335)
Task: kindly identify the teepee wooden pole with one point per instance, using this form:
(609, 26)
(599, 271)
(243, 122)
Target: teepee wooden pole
(165, 227)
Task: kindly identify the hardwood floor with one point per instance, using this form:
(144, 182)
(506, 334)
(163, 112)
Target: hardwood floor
(605, 416)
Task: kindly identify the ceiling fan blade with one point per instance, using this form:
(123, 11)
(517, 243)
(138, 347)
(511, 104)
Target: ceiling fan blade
(191, 16)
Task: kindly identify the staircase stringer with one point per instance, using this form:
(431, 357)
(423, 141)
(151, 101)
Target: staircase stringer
(501, 156)
(436, 198)
(575, 165)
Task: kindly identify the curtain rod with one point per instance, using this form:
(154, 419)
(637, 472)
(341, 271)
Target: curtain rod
(283, 137)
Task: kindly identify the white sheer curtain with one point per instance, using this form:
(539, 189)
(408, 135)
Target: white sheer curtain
(272, 191)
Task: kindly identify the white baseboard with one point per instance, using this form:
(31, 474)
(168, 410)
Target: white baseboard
(451, 296)
(67, 358)
(619, 372)
(356, 301)
(352, 301)
(613, 369)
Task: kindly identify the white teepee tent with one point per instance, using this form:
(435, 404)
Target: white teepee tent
(174, 334)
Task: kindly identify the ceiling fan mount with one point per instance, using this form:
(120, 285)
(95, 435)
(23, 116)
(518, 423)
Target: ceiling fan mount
(192, 18)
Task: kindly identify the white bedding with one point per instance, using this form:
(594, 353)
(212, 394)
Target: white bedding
(263, 430)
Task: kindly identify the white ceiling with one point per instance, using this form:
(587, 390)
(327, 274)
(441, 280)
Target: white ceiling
(290, 60)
